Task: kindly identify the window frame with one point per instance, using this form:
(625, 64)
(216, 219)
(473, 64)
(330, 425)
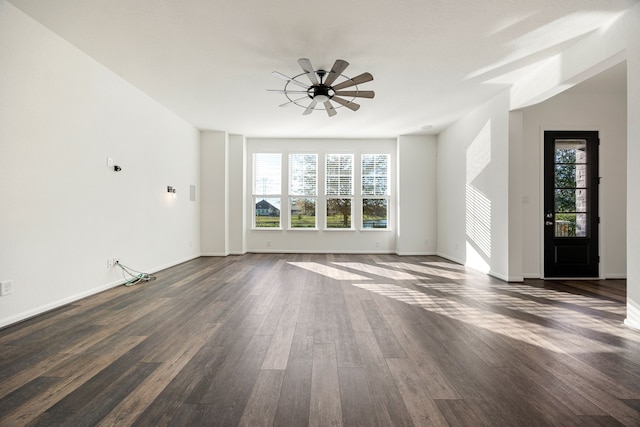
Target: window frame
(266, 195)
(305, 194)
(340, 195)
(375, 194)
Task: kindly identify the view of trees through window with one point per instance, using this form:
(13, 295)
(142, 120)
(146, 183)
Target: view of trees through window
(339, 190)
(303, 182)
(339, 198)
(570, 188)
(375, 182)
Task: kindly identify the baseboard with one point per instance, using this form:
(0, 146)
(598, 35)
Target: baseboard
(505, 278)
(630, 324)
(57, 304)
(615, 276)
(449, 258)
(416, 253)
(320, 252)
(633, 315)
(73, 298)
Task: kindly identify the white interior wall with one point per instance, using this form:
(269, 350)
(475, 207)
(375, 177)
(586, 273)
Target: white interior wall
(214, 194)
(237, 195)
(473, 188)
(64, 212)
(633, 172)
(416, 230)
(603, 112)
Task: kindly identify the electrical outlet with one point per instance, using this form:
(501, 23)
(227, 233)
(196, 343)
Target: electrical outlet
(109, 162)
(109, 262)
(6, 288)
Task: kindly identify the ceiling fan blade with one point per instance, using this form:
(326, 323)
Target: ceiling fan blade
(330, 110)
(305, 63)
(338, 67)
(362, 78)
(350, 105)
(310, 108)
(356, 93)
(286, 91)
(289, 79)
(293, 101)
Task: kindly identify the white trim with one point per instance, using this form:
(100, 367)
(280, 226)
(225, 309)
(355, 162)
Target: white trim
(416, 254)
(616, 276)
(57, 304)
(450, 258)
(25, 315)
(631, 324)
(320, 251)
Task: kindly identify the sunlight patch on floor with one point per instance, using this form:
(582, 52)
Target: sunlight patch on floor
(531, 333)
(378, 271)
(331, 272)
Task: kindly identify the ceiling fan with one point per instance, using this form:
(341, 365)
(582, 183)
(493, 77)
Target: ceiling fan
(322, 90)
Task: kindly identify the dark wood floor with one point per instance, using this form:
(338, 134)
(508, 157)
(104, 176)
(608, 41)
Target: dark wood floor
(326, 340)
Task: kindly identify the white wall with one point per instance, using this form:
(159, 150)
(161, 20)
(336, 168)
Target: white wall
(214, 193)
(237, 194)
(473, 189)
(633, 172)
(64, 212)
(320, 240)
(603, 112)
(416, 230)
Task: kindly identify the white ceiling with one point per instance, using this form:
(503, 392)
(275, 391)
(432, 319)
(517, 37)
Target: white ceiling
(210, 61)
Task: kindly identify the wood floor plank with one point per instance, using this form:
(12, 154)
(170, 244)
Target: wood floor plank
(357, 405)
(278, 353)
(295, 394)
(326, 409)
(326, 339)
(129, 409)
(415, 394)
(263, 402)
(387, 401)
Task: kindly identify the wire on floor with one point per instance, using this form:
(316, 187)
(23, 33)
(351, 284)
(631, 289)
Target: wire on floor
(133, 277)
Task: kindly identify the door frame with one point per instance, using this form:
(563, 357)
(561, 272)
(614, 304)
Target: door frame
(540, 217)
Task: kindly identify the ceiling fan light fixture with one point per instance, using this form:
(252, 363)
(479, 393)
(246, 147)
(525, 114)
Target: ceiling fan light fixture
(321, 91)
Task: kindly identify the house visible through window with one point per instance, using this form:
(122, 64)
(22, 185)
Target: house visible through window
(303, 183)
(342, 199)
(339, 190)
(267, 189)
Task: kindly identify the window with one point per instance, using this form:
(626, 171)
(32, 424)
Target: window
(267, 188)
(339, 190)
(303, 183)
(375, 190)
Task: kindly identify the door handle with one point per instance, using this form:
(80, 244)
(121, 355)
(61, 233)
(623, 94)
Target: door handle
(549, 215)
(548, 223)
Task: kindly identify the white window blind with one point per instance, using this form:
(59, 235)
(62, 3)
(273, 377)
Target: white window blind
(303, 172)
(339, 174)
(267, 173)
(375, 174)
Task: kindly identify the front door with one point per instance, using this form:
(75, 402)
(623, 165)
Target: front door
(571, 204)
